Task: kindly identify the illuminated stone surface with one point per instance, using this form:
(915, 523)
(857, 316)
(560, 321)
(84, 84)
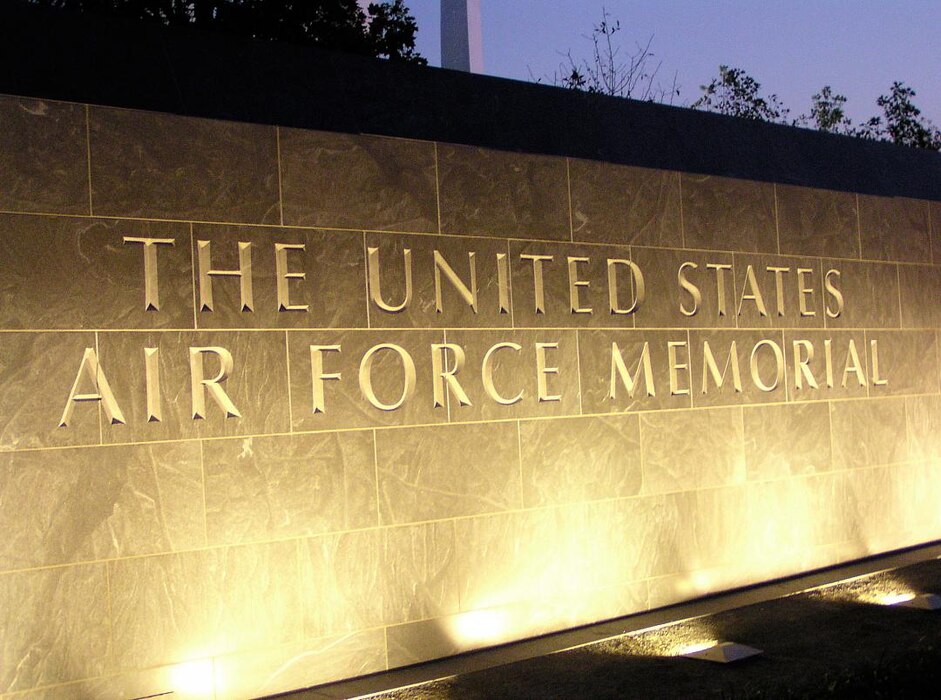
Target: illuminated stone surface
(529, 420)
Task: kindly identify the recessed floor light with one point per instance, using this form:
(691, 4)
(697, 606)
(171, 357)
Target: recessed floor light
(925, 601)
(724, 653)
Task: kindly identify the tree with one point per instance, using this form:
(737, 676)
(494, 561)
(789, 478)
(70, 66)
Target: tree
(610, 70)
(386, 29)
(735, 93)
(827, 113)
(901, 121)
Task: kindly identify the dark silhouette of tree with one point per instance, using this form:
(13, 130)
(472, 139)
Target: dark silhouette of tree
(827, 113)
(386, 29)
(735, 93)
(901, 121)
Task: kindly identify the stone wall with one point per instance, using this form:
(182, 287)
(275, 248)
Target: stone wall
(607, 389)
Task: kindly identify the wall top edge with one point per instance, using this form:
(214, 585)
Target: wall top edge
(110, 62)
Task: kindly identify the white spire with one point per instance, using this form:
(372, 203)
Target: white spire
(461, 45)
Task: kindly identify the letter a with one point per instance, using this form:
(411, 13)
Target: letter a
(90, 370)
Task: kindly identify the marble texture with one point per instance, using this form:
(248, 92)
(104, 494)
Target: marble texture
(923, 415)
(665, 297)
(595, 348)
(267, 488)
(344, 403)
(894, 228)
(447, 471)
(88, 277)
(934, 224)
(95, 503)
(920, 290)
(907, 362)
(163, 166)
(622, 204)
(817, 222)
(179, 607)
(841, 359)
(725, 214)
(576, 460)
(43, 166)
(501, 194)
(786, 441)
(422, 311)
(515, 372)
(333, 263)
(748, 312)
(692, 450)
(558, 280)
(257, 385)
(868, 433)
(37, 370)
(56, 626)
(358, 182)
(871, 291)
(704, 387)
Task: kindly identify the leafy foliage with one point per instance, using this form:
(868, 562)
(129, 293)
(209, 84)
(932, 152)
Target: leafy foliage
(386, 29)
(827, 113)
(735, 93)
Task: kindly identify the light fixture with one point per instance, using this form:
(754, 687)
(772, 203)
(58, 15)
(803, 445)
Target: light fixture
(925, 601)
(722, 652)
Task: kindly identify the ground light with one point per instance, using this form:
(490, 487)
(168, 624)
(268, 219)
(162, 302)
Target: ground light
(721, 652)
(924, 601)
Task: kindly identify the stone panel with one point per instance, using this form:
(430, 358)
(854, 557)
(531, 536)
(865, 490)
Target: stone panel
(621, 204)
(90, 276)
(667, 299)
(473, 260)
(574, 460)
(817, 222)
(331, 264)
(501, 194)
(934, 215)
(179, 607)
(726, 214)
(907, 362)
(866, 432)
(569, 286)
(871, 293)
(893, 228)
(256, 385)
(162, 166)
(788, 292)
(517, 372)
(345, 405)
(692, 450)
(447, 471)
(759, 357)
(596, 355)
(920, 289)
(923, 414)
(37, 370)
(268, 488)
(358, 182)
(786, 441)
(43, 166)
(834, 370)
(97, 503)
(56, 626)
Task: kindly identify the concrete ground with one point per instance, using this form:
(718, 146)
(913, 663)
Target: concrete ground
(836, 641)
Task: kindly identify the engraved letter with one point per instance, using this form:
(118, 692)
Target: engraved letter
(542, 385)
(468, 295)
(365, 376)
(828, 357)
(640, 289)
(486, 372)
(853, 365)
(90, 370)
(779, 361)
(754, 295)
(439, 364)
(689, 287)
(375, 290)
(151, 289)
(874, 354)
(709, 366)
(720, 269)
(281, 272)
(804, 291)
(675, 365)
(619, 370)
(318, 376)
(152, 381)
(538, 287)
(779, 286)
(198, 384)
(206, 273)
(802, 364)
(574, 284)
(503, 282)
(834, 292)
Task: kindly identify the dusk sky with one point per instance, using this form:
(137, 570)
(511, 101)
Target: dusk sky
(792, 48)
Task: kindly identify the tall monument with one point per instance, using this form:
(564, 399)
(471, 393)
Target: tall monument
(461, 46)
